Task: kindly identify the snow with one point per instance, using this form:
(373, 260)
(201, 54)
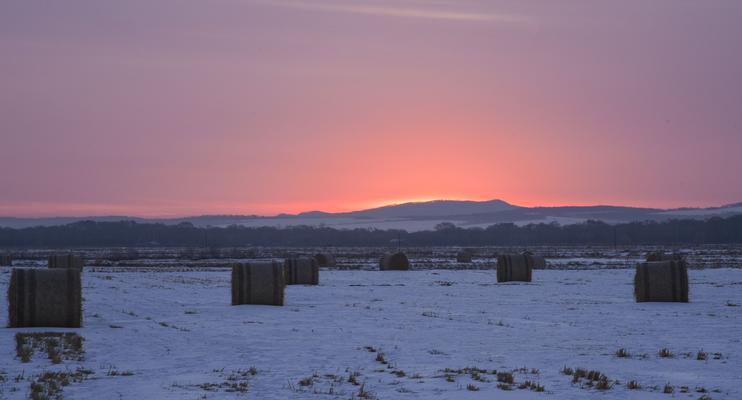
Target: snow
(176, 330)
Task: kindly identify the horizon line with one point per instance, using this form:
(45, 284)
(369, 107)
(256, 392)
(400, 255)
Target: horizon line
(383, 205)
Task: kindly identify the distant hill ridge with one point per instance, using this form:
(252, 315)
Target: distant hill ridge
(418, 216)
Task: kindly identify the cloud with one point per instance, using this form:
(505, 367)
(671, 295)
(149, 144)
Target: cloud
(399, 12)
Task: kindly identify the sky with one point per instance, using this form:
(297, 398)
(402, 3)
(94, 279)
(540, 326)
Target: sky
(186, 107)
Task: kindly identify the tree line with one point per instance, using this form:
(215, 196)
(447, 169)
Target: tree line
(128, 233)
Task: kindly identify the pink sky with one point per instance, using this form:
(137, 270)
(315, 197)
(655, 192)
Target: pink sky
(181, 107)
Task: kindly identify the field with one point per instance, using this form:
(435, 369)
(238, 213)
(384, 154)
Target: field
(159, 327)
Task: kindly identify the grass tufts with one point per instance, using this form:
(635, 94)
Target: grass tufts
(505, 377)
(623, 353)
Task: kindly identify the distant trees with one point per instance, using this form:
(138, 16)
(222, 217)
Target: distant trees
(445, 226)
(130, 234)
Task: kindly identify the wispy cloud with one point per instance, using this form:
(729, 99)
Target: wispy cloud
(386, 10)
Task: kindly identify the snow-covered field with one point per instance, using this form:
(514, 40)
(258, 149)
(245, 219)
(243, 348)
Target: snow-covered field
(173, 335)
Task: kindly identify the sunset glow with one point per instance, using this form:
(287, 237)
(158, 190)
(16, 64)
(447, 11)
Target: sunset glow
(268, 106)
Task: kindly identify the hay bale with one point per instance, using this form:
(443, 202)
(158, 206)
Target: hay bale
(539, 262)
(66, 261)
(661, 256)
(394, 262)
(6, 260)
(661, 281)
(514, 267)
(464, 256)
(258, 283)
(45, 297)
(301, 271)
(325, 260)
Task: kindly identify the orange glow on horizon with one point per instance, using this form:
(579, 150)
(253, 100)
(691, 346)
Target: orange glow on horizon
(240, 108)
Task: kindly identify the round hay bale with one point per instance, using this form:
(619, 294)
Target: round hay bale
(514, 267)
(538, 262)
(258, 283)
(65, 261)
(301, 271)
(325, 260)
(6, 260)
(661, 281)
(394, 262)
(464, 257)
(45, 297)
